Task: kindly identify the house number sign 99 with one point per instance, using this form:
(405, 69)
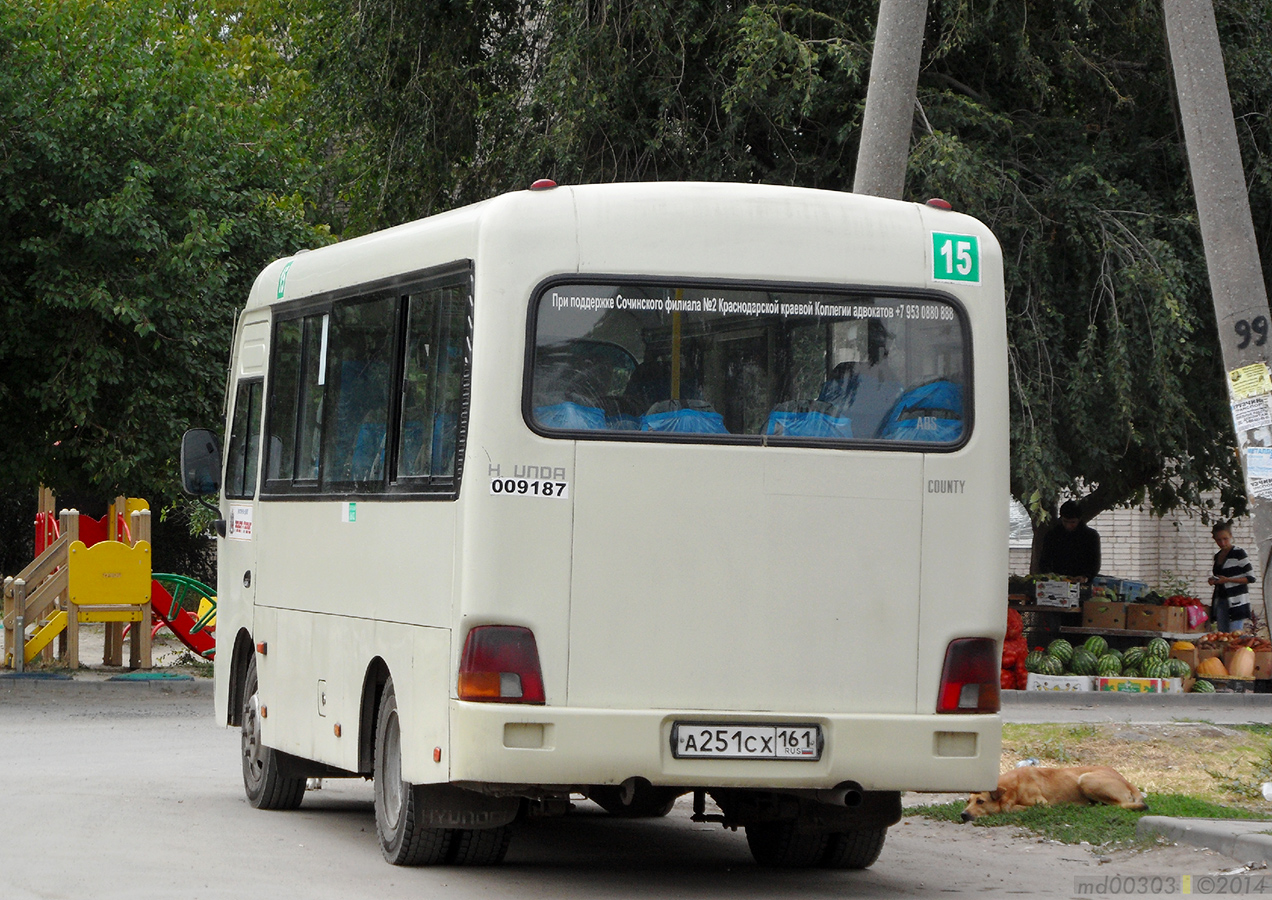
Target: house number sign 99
(1251, 329)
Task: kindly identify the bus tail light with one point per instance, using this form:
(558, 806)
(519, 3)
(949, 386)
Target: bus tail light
(500, 664)
(970, 679)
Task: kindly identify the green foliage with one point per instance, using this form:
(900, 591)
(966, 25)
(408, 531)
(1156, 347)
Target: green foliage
(1099, 826)
(1057, 128)
(150, 167)
(1052, 123)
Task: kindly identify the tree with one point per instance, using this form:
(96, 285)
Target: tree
(149, 167)
(1054, 124)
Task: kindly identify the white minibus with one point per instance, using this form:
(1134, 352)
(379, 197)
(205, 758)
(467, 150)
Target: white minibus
(625, 491)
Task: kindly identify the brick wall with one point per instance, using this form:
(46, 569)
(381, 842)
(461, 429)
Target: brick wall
(1136, 544)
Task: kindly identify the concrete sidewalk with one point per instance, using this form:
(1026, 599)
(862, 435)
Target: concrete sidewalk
(1037, 707)
(1244, 840)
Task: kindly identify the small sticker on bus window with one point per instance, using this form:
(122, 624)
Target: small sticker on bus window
(530, 487)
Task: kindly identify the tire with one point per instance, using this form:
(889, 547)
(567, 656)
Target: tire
(484, 847)
(857, 848)
(647, 803)
(779, 845)
(263, 781)
(404, 841)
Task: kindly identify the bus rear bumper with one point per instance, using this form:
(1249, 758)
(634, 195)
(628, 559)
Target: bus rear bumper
(498, 743)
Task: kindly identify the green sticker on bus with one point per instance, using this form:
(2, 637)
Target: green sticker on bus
(955, 257)
(282, 278)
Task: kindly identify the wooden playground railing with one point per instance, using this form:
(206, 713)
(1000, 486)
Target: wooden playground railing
(49, 592)
(36, 591)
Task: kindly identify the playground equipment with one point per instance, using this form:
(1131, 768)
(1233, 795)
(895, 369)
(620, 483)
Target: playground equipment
(99, 570)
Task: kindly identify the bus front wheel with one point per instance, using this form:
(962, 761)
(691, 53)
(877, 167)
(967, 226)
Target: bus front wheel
(263, 779)
(404, 840)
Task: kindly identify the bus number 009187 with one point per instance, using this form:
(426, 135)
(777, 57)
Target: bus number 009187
(529, 487)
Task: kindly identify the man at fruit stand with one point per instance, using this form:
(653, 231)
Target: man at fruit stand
(1071, 547)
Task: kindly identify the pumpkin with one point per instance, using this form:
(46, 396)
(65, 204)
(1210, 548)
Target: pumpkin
(1183, 645)
(1242, 664)
(1212, 668)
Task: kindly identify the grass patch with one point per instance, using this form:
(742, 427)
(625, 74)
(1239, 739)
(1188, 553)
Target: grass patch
(1224, 765)
(1100, 826)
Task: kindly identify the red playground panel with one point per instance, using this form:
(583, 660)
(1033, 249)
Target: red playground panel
(195, 632)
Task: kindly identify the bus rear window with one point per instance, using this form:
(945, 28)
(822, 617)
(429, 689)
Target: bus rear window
(703, 363)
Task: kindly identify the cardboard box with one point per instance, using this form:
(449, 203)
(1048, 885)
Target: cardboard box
(1062, 594)
(1060, 683)
(1148, 617)
(1103, 614)
(1107, 581)
(1208, 650)
(1132, 590)
(1141, 685)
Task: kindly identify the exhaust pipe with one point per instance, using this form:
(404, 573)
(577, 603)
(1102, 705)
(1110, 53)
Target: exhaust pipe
(849, 794)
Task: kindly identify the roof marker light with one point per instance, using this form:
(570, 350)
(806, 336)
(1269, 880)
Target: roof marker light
(543, 184)
(938, 203)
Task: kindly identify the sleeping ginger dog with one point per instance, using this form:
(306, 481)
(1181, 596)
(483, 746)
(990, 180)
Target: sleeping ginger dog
(1036, 786)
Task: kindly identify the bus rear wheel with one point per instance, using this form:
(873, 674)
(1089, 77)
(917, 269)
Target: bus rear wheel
(404, 840)
(483, 847)
(857, 848)
(263, 780)
(781, 845)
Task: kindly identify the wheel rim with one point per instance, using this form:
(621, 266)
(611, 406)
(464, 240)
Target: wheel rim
(392, 789)
(253, 763)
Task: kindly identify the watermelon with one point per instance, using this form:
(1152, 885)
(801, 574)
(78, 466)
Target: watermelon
(1108, 666)
(1158, 648)
(1201, 686)
(1132, 658)
(1112, 652)
(1155, 669)
(1097, 645)
(1061, 650)
(1033, 662)
(1084, 662)
(1178, 668)
(1052, 666)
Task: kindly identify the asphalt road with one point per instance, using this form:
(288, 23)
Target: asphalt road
(126, 791)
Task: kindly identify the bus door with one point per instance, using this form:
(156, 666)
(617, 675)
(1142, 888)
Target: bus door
(237, 579)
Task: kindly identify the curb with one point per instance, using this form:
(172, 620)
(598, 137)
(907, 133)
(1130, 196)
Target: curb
(49, 686)
(1239, 839)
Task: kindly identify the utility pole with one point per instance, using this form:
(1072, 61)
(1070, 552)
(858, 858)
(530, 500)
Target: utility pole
(1232, 256)
(890, 99)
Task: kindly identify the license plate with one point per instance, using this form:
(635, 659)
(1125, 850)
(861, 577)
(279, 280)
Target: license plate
(707, 740)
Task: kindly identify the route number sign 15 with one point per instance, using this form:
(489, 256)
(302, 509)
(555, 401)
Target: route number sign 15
(955, 257)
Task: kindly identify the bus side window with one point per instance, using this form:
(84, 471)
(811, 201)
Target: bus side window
(245, 439)
(359, 363)
(432, 383)
(284, 384)
(314, 378)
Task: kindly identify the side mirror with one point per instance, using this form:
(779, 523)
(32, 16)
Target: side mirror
(200, 462)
